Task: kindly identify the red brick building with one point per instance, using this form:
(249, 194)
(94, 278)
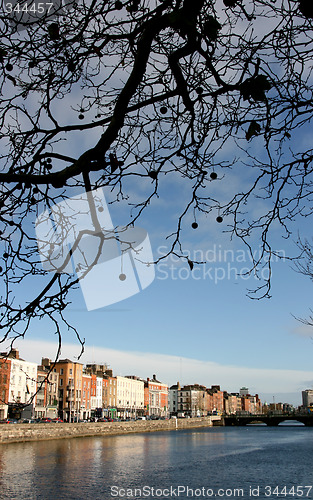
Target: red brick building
(155, 397)
(5, 370)
(86, 395)
(215, 399)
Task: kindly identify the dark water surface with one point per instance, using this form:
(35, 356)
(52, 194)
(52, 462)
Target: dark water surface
(233, 462)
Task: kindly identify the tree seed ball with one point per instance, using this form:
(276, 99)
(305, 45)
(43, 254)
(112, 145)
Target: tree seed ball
(81, 117)
(122, 277)
(163, 110)
(153, 174)
(100, 209)
(118, 5)
(9, 67)
(194, 225)
(213, 175)
(219, 219)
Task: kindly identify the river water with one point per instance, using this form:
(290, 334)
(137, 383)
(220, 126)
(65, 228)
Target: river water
(232, 462)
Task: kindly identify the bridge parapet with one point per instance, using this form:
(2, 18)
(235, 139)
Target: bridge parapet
(270, 420)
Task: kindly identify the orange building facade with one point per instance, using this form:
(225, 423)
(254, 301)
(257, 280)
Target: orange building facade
(155, 397)
(70, 389)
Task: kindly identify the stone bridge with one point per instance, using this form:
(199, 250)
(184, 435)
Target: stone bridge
(270, 420)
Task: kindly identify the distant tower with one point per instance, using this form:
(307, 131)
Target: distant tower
(244, 391)
(307, 398)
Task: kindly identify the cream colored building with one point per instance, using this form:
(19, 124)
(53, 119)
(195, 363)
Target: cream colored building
(129, 396)
(23, 380)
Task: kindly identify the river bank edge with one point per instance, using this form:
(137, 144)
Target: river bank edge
(17, 433)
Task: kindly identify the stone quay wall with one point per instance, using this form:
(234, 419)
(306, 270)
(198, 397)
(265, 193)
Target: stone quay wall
(16, 433)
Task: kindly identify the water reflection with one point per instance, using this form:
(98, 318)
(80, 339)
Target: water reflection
(86, 468)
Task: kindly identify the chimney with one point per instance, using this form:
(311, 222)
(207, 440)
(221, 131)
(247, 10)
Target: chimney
(14, 354)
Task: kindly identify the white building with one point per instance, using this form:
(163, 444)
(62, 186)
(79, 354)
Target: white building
(244, 391)
(99, 391)
(191, 401)
(129, 396)
(96, 400)
(23, 381)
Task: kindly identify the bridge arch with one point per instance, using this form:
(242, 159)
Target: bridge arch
(270, 420)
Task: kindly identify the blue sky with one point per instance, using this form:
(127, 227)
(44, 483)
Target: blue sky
(196, 327)
(199, 327)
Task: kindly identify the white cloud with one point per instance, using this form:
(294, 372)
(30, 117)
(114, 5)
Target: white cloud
(303, 331)
(171, 369)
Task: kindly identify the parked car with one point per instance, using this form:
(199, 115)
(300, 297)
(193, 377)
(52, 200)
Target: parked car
(8, 421)
(57, 420)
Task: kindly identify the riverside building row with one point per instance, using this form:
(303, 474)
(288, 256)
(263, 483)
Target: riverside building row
(73, 392)
(197, 400)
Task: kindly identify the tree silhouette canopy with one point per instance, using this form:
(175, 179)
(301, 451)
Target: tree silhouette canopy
(94, 93)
